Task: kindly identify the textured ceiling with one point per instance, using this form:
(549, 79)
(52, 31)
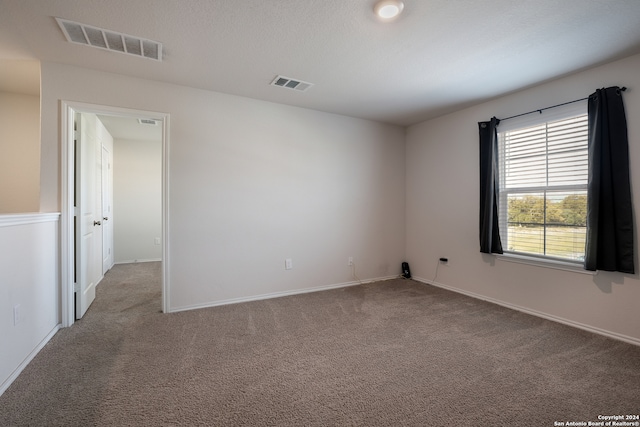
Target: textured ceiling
(439, 56)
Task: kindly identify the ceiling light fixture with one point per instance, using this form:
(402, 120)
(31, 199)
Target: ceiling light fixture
(388, 9)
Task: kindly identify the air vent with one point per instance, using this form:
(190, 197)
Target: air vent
(110, 40)
(290, 83)
(148, 122)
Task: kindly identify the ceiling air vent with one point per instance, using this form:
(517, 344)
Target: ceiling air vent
(289, 83)
(110, 40)
(150, 122)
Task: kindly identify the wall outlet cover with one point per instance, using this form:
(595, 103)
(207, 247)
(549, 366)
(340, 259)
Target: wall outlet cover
(16, 314)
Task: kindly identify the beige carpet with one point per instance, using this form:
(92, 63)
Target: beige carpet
(393, 353)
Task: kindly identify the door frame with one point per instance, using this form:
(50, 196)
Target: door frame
(67, 173)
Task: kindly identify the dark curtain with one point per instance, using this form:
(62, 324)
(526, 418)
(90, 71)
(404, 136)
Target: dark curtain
(489, 232)
(609, 244)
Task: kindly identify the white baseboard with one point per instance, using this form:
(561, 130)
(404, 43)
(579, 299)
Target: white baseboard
(134, 261)
(279, 294)
(588, 328)
(5, 385)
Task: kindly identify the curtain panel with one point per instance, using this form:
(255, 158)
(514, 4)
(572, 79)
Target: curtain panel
(489, 181)
(609, 241)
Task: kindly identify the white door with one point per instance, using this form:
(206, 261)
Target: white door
(87, 217)
(107, 218)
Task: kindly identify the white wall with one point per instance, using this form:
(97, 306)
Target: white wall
(443, 204)
(137, 192)
(253, 183)
(29, 281)
(20, 148)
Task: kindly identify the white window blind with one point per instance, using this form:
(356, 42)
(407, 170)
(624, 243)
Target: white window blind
(543, 185)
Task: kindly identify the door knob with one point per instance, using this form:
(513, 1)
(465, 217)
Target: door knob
(97, 223)
(106, 218)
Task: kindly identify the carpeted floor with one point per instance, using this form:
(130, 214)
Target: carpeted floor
(392, 353)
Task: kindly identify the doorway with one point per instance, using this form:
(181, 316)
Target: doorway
(69, 215)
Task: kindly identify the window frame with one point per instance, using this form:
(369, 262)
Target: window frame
(540, 117)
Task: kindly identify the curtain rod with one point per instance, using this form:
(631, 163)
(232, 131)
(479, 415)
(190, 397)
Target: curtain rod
(540, 110)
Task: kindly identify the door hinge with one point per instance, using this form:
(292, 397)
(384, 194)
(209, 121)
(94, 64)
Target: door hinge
(76, 287)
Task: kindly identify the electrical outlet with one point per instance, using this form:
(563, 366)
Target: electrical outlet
(16, 314)
(288, 264)
(350, 261)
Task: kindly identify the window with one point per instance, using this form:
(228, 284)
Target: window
(543, 184)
